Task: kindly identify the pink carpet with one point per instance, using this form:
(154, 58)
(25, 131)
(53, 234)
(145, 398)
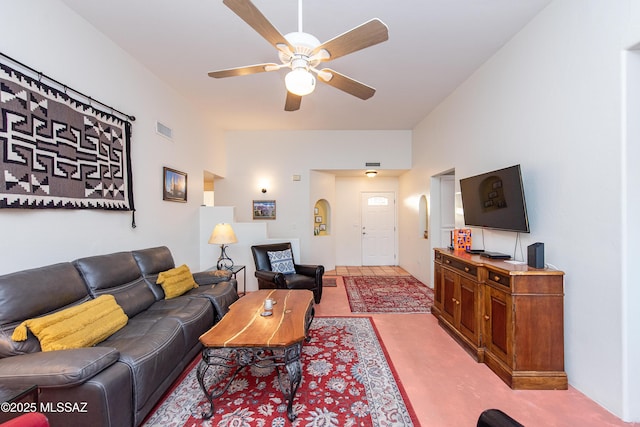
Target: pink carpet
(388, 294)
(347, 380)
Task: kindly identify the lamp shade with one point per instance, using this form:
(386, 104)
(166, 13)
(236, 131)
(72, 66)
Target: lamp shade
(223, 234)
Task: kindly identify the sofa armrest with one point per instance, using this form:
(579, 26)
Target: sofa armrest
(309, 270)
(56, 368)
(270, 276)
(211, 277)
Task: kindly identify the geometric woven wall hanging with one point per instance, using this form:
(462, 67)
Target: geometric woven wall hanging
(58, 152)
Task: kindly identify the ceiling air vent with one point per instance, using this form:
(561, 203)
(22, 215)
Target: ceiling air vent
(372, 164)
(164, 130)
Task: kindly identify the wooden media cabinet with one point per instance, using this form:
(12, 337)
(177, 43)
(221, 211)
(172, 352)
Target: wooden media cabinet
(508, 316)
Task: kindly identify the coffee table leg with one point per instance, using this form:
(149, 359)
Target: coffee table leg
(203, 367)
(293, 365)
(210, 359)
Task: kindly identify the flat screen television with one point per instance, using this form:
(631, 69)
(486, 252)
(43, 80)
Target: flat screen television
(495, 200)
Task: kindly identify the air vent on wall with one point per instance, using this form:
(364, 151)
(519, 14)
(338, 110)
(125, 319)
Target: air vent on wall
(164, 130)
(372, 164)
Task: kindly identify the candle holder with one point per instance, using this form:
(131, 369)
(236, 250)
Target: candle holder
(268, 307)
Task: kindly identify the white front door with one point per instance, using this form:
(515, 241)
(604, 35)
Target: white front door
(378, 228)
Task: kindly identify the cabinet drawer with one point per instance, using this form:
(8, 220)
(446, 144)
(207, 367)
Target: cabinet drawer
(499, 278)
(461, 266)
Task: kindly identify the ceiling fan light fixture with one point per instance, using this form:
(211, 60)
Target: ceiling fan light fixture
(300, 82)
(371, 173)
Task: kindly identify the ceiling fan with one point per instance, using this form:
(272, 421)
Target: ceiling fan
(303, 53)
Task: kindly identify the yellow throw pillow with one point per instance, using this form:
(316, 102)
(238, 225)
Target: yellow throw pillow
(83, 325)
(176, 281)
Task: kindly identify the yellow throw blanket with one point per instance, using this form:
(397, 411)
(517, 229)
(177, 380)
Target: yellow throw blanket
(83, 325)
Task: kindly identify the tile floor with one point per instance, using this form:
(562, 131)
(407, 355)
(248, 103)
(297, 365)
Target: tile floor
(445, 386)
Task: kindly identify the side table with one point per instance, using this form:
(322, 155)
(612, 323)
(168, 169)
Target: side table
(235, 270)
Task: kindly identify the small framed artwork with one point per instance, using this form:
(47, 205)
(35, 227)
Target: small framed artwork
(323, 227)
(264, 209)
(174, 185)
(318, 218)
(316, 211)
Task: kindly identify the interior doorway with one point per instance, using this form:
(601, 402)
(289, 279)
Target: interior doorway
(378, 228)
(443, 204)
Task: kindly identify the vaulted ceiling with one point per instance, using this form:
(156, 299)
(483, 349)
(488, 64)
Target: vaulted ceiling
(433, 46)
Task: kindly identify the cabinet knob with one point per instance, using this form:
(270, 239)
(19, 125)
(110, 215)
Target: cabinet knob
(486, 317)
(466, 269)
(496, 278)
(447, 261)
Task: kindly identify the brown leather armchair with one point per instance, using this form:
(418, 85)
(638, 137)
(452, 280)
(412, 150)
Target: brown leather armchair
(305, 276)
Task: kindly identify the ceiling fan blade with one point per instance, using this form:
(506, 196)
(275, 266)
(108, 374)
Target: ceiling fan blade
(293, 102)
(368, 34)
(250, 14)
(243, 71)
(346, 84)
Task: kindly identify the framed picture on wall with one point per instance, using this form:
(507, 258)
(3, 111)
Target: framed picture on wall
(264, 209)
(319, 218)
(174, 185)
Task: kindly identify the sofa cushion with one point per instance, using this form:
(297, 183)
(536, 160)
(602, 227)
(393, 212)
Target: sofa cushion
(30, 293)
(281, 261)
(194, 314)
(34, 292)
(116, 274)
(83, 325)
(151, 346)
(153, 260)
(59, 368)
(176, 281)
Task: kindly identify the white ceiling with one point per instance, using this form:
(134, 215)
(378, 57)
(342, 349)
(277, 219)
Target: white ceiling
(433, 46)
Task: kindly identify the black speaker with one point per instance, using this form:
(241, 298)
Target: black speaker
(535, 255)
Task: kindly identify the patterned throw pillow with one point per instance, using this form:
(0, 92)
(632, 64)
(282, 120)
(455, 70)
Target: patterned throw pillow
(282, 261)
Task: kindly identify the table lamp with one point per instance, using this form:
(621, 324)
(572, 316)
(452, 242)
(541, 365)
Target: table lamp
(223, 235)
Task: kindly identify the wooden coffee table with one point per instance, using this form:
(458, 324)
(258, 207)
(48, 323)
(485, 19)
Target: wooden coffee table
(245, 337)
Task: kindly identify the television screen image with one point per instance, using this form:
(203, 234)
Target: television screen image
(495, 200)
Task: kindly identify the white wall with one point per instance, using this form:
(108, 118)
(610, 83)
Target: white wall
(551, 101)
(47, 36)
(630, 232)
(273, 157)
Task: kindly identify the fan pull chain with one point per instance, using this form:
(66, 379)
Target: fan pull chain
(299, 16)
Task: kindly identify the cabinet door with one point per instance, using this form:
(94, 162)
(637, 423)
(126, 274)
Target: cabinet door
(498, 324)
(437, 287)
(449, 280)
(468, 301)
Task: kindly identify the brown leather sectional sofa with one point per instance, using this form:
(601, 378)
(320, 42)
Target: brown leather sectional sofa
(120, 380)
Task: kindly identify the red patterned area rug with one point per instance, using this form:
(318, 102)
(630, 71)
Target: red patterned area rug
(388, 294)
(347, 380)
